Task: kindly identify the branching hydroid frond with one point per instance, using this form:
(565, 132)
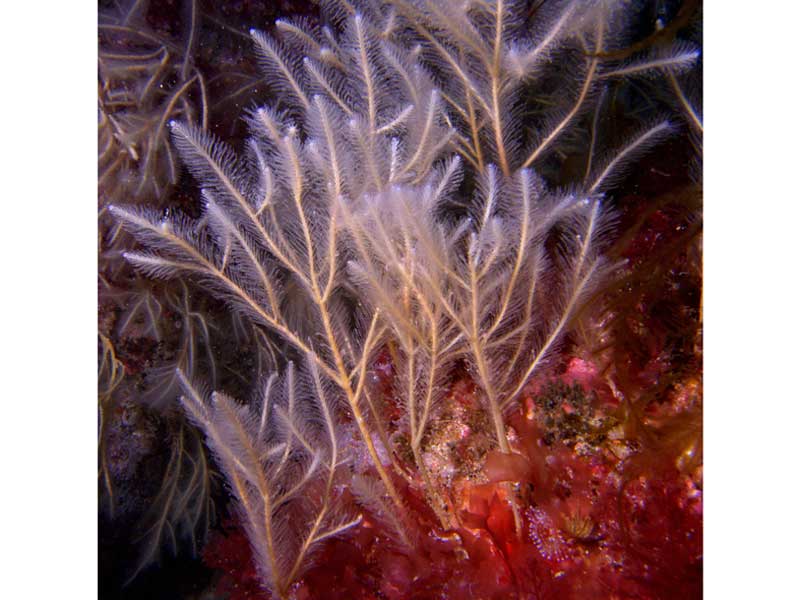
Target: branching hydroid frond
(143, 310)
(474, 290)
(144, 79)
(281, 458)
(398, 257)
(483, 54)
(370, 495)
(269, 226)
(675, 60)
(614, 167)
(182, 507)
(192, 354)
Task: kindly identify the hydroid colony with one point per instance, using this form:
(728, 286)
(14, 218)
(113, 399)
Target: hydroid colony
(388, 201)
